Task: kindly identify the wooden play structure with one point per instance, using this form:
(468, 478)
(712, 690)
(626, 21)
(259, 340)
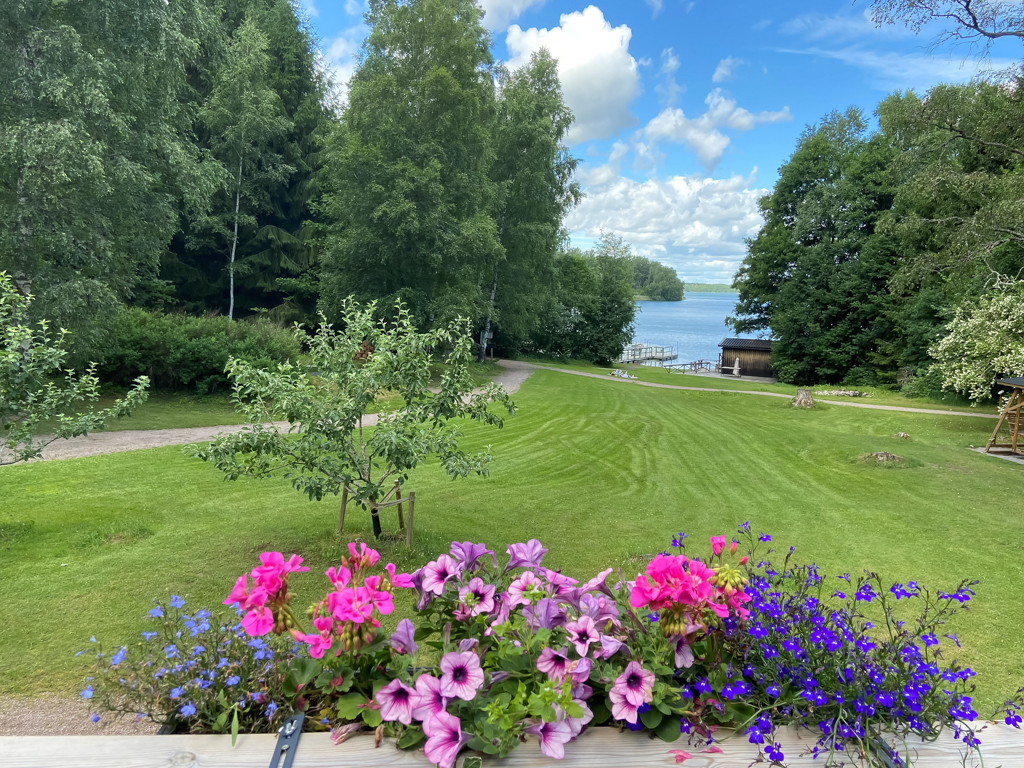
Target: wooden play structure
(385, 502)
(1010, 418)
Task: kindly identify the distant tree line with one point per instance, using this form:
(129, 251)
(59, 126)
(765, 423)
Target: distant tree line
(656, 281)
(894, 254)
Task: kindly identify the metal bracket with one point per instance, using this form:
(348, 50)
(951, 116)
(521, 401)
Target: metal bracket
(287, 741)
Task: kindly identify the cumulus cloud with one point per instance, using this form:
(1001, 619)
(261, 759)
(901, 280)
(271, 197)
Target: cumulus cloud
(726, 69)
(669, 89)
(341, 57)
(501, 13)
(354, 7)
(599, 76)
(696, 225)
(702, 135)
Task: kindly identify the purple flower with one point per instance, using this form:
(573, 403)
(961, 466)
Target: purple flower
(598, 583)
(177, 602)
(684, 654)
(439, 572)
(632, 689)
(461, 675)
(525, 589)
(603, 611)
(468, 554)
(428, 701)
(403, 639)
(445, 738)
(576, 723)
(562, 584)
(546, 614)
(526, 555)
(553, 737)
(582, 633)
(609, 647)
(478, 596)
(578, 670)
(553, 663)
(95, 717)
(396, 700)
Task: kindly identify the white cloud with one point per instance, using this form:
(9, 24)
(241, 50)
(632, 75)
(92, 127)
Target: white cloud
(656, 6)
(341, 57)
(599, 76)
(701, 135)
(821, 26)
(919, 71)
(726, 69)
(354, 7)
(500, 13)
(696, 225)
(669, 90)
(309, 9)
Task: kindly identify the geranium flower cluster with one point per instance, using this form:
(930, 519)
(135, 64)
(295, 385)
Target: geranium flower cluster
(266, 604)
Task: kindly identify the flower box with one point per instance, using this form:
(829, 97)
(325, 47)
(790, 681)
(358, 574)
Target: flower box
(595, 747)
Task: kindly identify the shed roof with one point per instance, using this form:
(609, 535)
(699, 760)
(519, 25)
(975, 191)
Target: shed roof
(1014, 382)
(746, 344)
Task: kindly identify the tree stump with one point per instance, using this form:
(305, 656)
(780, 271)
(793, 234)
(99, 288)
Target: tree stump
(803, 399)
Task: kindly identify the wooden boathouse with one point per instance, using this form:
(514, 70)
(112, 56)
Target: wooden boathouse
(754, 357)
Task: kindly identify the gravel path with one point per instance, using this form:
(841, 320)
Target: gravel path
(49, 715)
(137, 439)
(515, 365)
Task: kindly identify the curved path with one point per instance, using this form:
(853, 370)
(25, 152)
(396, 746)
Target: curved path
(516, 365)
(137, 439)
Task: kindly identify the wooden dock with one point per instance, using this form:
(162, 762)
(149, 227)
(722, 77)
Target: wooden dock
(1001, 745)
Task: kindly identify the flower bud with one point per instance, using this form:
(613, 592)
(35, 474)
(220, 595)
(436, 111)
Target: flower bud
(743, 560)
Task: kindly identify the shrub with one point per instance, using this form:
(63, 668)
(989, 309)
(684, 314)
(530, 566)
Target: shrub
(179, 351)
(519, 652)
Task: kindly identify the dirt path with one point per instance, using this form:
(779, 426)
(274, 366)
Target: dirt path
(137, 439)
(515, 365)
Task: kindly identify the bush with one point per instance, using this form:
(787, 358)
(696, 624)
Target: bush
(179, 351)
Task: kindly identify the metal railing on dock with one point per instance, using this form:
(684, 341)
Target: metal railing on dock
(694, 367)
(647, 354)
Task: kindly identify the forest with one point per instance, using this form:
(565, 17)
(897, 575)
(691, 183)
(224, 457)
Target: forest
(180, 179)
(893, 249)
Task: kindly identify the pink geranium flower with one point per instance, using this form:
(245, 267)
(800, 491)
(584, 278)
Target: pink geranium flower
(271, 574)
(461, 675)
(258, 622)
(681, 755)
(553, 737)
(399, 580)
(350, 604)
(362, 558)
(582, 633)
(445, 738)
(339, 577)
(396, 700)
(438, 573)
(320, 642)
(429, 700)
(381, 599)
(717, 544)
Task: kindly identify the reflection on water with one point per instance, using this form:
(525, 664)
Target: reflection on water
(694, 326)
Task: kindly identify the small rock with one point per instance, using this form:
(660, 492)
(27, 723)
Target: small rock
(885, 456)
(902, 435)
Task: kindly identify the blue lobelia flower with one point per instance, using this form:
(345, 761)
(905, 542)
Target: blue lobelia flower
(157, 612)
(177, 602)
(87, 693)
(188, 710)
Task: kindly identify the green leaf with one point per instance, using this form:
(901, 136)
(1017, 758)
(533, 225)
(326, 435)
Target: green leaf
(668, 730)
(301, 671)
(372, 717)
(410, 738)
(601, 713)
(348, 706)
(473, 762)
(651, 718)
(234, 728)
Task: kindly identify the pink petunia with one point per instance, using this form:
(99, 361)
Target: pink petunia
(578, 670)
(635, 684)
(582, 633)
(403, 639)
(527, 585)
(396, 702)
(553, 663)
(609, 647)
(553, 737)
(526, 555)
(429, 700)
(461, 675)
(576, 723)
(439, 572)
(482, 596)
(445, 738)
(622, 709)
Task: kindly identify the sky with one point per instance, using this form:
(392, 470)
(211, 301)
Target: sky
(686, 109)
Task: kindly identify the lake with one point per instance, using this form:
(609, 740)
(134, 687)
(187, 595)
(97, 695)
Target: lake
(694, 326)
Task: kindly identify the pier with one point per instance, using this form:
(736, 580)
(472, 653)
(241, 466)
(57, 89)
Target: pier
(647, 354)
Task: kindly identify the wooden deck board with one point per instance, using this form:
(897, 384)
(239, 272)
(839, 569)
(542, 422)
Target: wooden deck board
(1002, 746)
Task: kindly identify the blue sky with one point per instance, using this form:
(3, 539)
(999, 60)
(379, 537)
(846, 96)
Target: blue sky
(686, 108)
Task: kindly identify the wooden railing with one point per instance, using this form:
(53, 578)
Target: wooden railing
(595, 748)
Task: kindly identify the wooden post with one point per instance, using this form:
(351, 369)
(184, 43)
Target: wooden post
(398, 496)
(341, 514)
(408, 531)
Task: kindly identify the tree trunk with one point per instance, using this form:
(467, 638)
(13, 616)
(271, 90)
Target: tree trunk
(487, 323)
(234, 244)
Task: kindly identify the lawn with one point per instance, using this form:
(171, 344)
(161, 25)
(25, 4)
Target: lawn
(601, 473)
(949, 401)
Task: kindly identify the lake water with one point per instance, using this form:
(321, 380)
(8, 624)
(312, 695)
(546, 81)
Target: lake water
(694, 326)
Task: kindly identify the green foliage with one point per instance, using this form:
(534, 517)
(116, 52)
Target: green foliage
(656, 281)
(97, 158)
(591, 315)
(709, 288)
(29, 358)
(178, 351)
(409, 197)
(326, 449)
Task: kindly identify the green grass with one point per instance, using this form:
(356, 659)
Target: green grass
(601, 473)
(879, 395)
